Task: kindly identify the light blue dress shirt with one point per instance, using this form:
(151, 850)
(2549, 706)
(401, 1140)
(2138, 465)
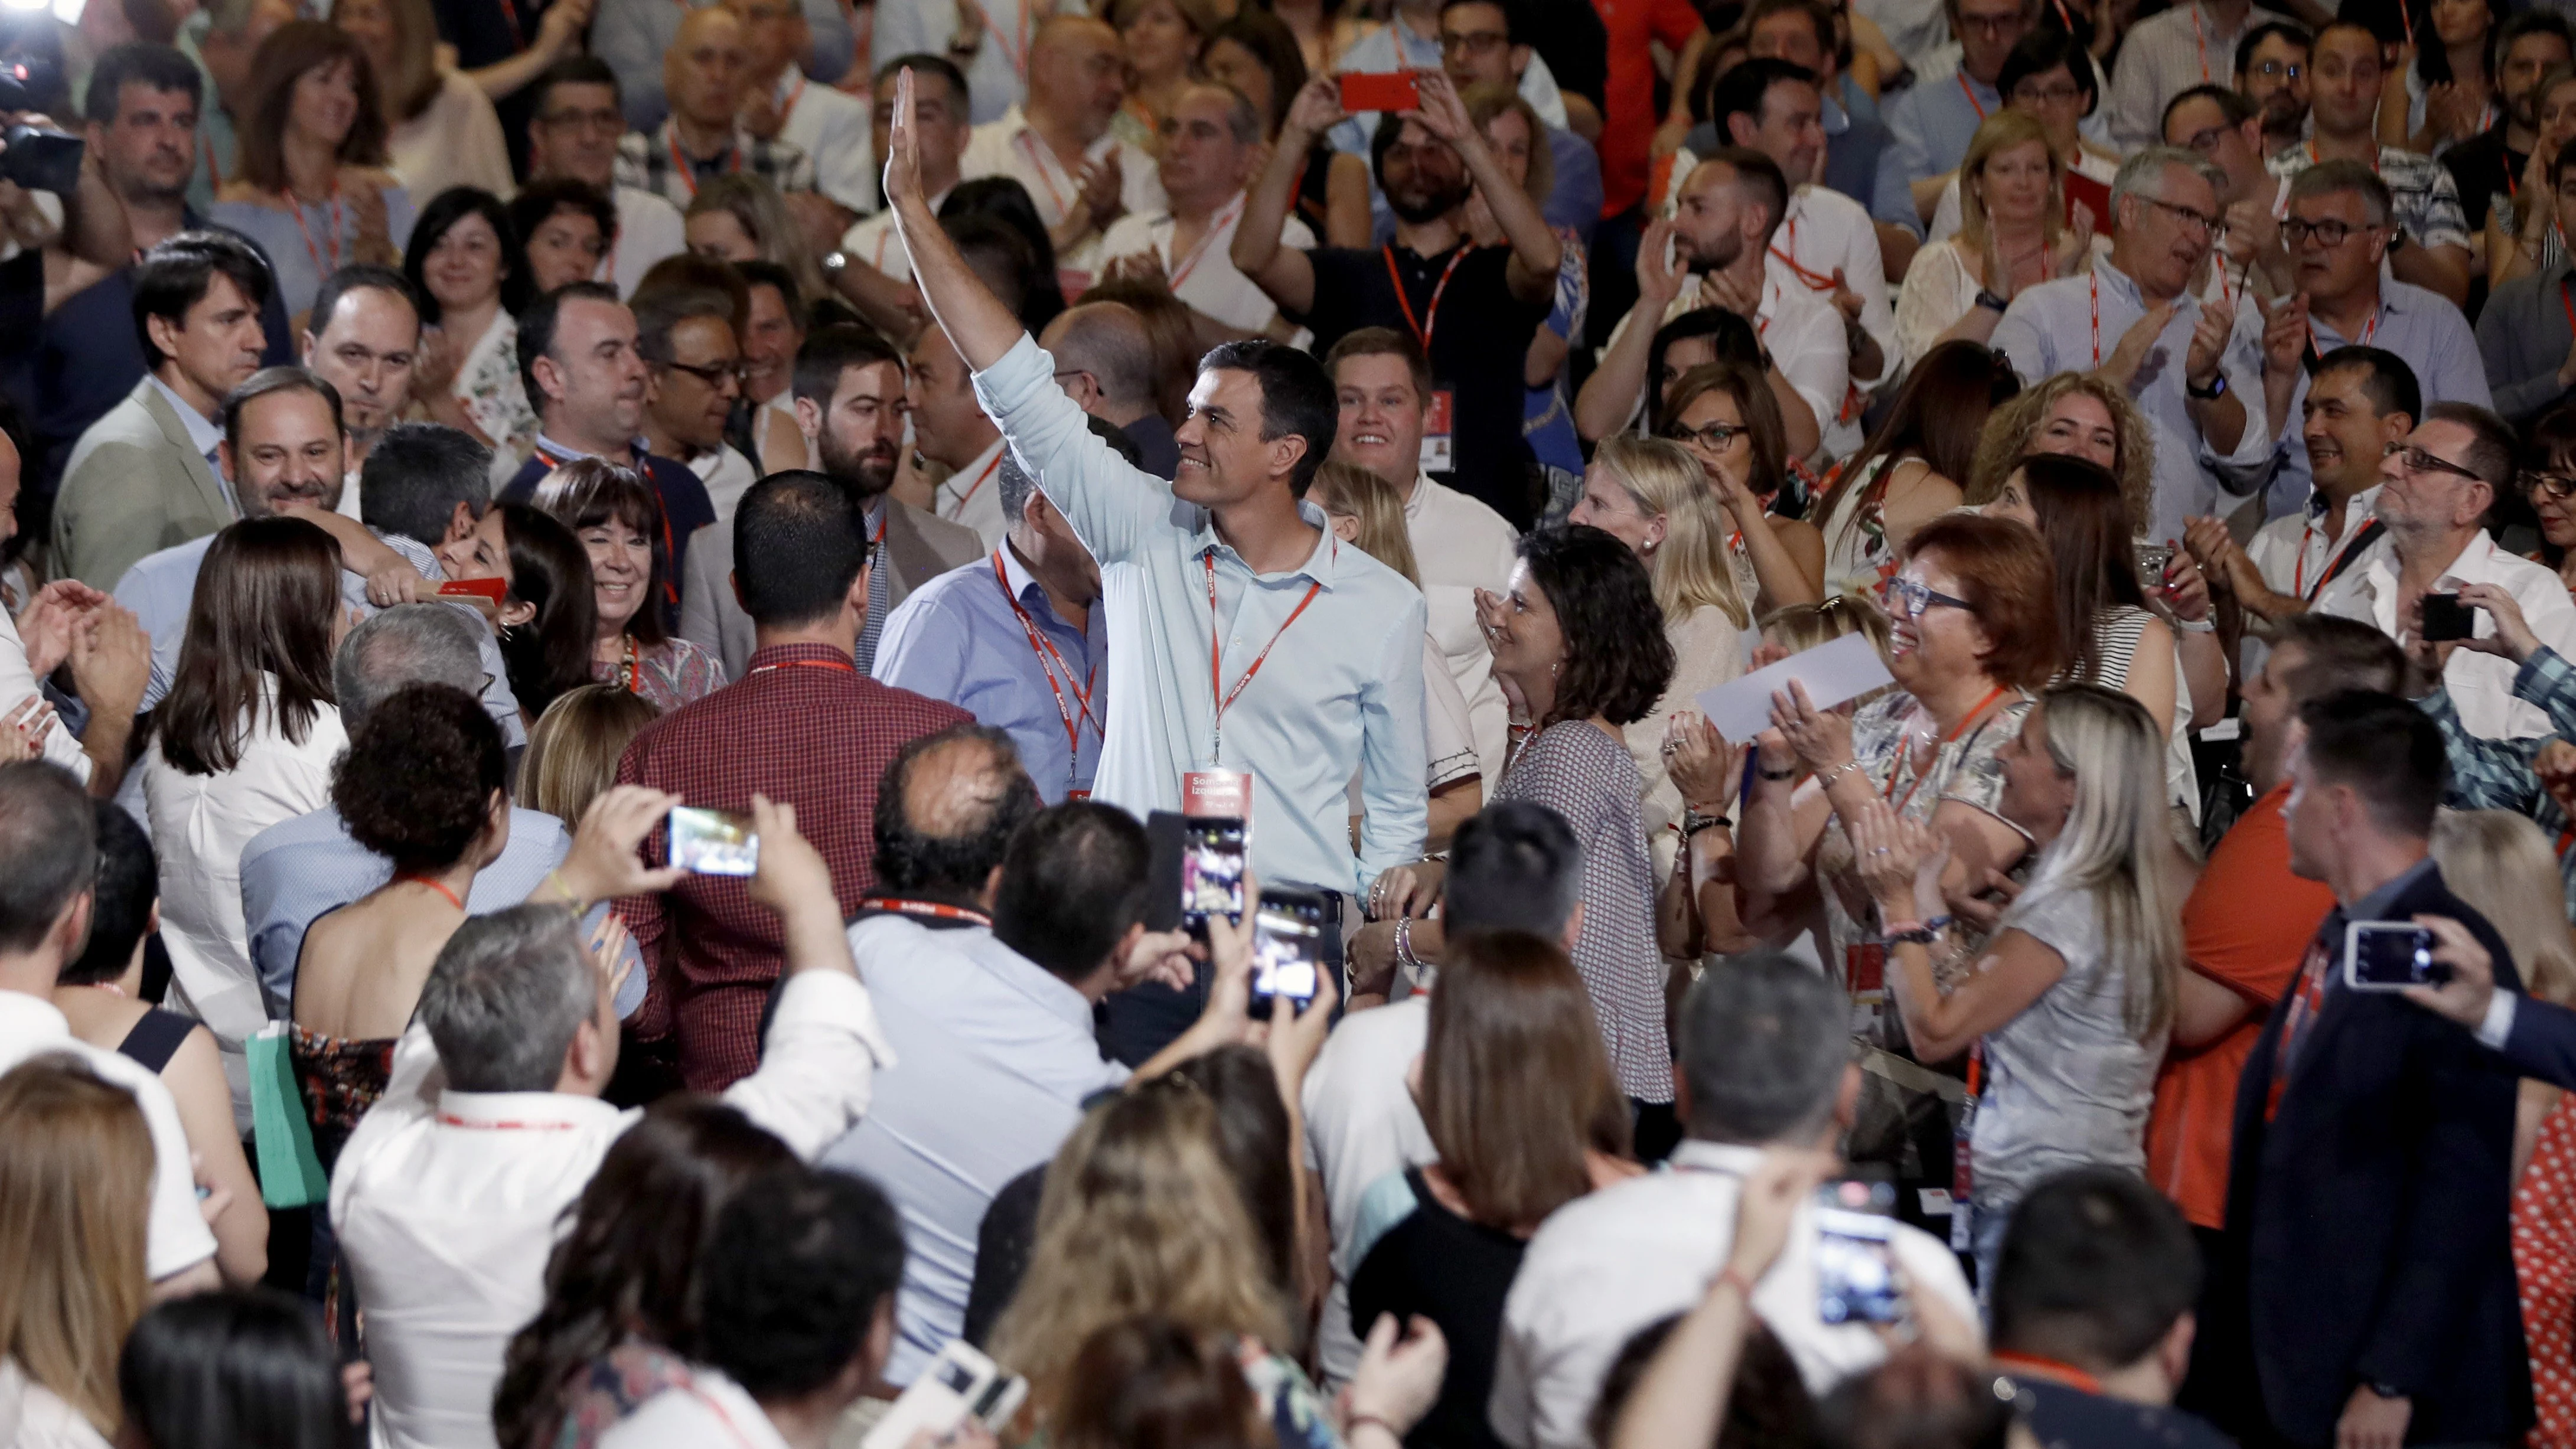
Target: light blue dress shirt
(203, 435)
(160, 585)
(994, 1057)
(2052, 328)
(956, 638)
(1341, 691)
(298, 871)
(2418, 325)
(1932, 121)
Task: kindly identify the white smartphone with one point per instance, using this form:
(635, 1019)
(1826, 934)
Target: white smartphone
(1672, 252)
(959, 1382)
(2389, 956)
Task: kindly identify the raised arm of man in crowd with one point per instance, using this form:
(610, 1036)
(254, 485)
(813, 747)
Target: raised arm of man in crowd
(1535, 252)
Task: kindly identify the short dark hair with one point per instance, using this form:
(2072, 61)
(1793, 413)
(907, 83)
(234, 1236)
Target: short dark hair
(1513, 866)
(358, 277)
(1730, 337)
(2391, 386)
(2385, 750)
(2232, 105)
(236, 1366)
(1617, 657)
(1743, 88)
(2043, 49)
(2289, 30)
(572, 70)
(658, 310)
(830, 351)
(541, 199)
(798, 1267)
(2524, 24)
(1296, 398)
(922, 62)
(811, 541)
(444, 213)
(2336, 654)
(1516, 20)
(177, 274)
(2492, 443)
(417, 782)
(1269, 40)
(1764, 1044)
(761, 272)
(1385, 341)
(2096, 1268)
(139, 63)
(537, 329)
(269, 380)
(1759, 174)
(416, 475)
(49, 846)
(1072, 883)
(129, 881)
(952, 857)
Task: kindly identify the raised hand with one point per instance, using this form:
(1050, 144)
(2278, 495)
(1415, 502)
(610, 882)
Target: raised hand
(903, 147)
(2208, 345)
(2130, 353)
(1317, 109)
(603, 863)
(1440, 110)
(2285, 335)
(1658, 283)
(1706, 769)
(1103, 184)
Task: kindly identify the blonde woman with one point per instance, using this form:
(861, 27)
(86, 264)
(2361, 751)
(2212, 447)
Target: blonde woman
(1366, 513)
(440, 128)
(2502, 866)
(2078, 414)
(740, 217)
(2012, 189)
(75, 1181)
(1650, 494)
(572, 753)
(2070, 1001)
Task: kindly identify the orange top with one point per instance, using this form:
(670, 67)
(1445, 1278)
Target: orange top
(2247, 925)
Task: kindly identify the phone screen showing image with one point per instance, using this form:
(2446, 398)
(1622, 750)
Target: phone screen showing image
(1856, 1279)
(1287, 948)
(713, 842)
(1211, 870)
(2388, 956)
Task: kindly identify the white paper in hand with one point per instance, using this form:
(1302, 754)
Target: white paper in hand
(1832, 672)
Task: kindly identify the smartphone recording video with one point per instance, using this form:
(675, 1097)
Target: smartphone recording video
(713, 842)
(1287, 948)
(1394, 90)
(1856, 1280)
(2446, 617)
(2389, 956)
(1211, 870)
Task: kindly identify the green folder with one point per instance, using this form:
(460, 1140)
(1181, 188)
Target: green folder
(290, 1171)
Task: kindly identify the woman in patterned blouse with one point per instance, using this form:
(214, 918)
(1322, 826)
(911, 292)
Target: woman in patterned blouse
(618, 518)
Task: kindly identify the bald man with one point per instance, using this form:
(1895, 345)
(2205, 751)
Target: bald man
(1058, 143)
(1104, 361)
(705, 75)
(632, 36)
(1211, 151)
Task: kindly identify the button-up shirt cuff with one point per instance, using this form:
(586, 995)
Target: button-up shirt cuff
(2544, 676)
(2499, 1021)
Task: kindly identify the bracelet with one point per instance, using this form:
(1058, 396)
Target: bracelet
(1790, 773)
(1360, 1421)
(555, 878)
(1901, 930)
(1732, 1276)
(2196, 626)
(1828, 778)
(1404, 943)
(1693, 822)
(1991, 302)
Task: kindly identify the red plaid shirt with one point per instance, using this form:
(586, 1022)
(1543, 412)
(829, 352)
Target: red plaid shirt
(803, 727)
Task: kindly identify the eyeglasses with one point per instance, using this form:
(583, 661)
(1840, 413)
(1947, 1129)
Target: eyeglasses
(2329, 234)
(2280, 70)
(1997, 26)
(2205, 141)
(2191, 221)
(609, 119)
(2415, 460)
(2059, 95)
(1716, 437)
(714, 375)
(1481, 42)
(1913, 598)
(2557, 486)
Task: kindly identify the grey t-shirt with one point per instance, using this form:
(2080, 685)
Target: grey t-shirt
(2067, 1084)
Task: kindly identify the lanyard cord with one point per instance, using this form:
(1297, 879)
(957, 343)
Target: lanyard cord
(1045, 649)
(1225, 698)
(1431, 314)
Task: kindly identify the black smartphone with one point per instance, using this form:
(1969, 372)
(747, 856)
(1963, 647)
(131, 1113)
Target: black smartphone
(2389, 956)
(1856, 1278)
(2446, 617)
(1287, 947)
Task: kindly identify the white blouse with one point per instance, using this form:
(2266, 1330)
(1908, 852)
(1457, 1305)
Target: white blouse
(1939, 290)
(1708, 650)
(457, 141)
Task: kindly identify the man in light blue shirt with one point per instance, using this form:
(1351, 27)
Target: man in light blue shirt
(1934, 119)
(1016, 638)
(1248, 637)
(2197, 377)
(299, 870)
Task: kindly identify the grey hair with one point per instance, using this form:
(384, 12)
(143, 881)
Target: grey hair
(2328, 177)
(2143, 174)
(1109, 341)
(506, 996)
(2491, 441)
(1241, 121)
(1765, 1040)
(2113, 843)
(406, 644)
(1016, 486)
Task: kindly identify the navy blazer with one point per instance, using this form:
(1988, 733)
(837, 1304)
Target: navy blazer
(2372, 1211)
(2542, 1042)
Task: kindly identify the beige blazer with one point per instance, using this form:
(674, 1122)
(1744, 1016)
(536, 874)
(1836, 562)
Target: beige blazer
(135, 485)
(919, 546)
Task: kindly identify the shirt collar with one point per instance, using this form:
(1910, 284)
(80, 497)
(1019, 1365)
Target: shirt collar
(2118, 283)
(532, 1112)
(668, 138)
(557, 454)
(1422, 486)
(2375, 905)
(1319, 567)
(1732, 1158)
(788, 80)
(1024, 586)
(2355, 509)
(202, 432)
(1993, 98)
(796, 653)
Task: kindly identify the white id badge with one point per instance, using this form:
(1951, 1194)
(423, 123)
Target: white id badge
(1439, 455)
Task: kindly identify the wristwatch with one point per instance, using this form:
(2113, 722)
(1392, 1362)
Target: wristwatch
(2217, 388)
(834, 260)
(1991, 302)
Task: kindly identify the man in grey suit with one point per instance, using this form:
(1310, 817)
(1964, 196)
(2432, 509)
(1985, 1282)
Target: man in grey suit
(849, 402)
(143, 477)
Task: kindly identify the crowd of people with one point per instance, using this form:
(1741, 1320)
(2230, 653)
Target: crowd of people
(683, 686)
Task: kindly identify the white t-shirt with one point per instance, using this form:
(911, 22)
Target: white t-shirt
(1805, 336)
(1008, 147)
(1361, 1124)
(833, 128)
(648, 229)
(1206, 277)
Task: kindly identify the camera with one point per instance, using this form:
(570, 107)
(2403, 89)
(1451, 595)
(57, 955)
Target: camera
(38, 158)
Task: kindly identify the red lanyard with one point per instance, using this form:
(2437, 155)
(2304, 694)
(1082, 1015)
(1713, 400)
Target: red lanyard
(295, 205)
(1964, 90)
(439, 886)
(1044, 648)
(687, 171)
(1431, 314)
(214, 171)
(2299, 575)
(2095, 283)
(935, 910)
(843, 665)
(1019, 60)
(1180, 270)
(971, 490)
(2200, 43)
(1224, 697)
(1046, 163)
(1957, 730)
(2032, 1365)
(2570, 306)
(1816, 282)
(793, 97)
(2369, 330)
(2374, 157)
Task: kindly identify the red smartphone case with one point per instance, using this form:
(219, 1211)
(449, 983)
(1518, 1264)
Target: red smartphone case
(1392, 90)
